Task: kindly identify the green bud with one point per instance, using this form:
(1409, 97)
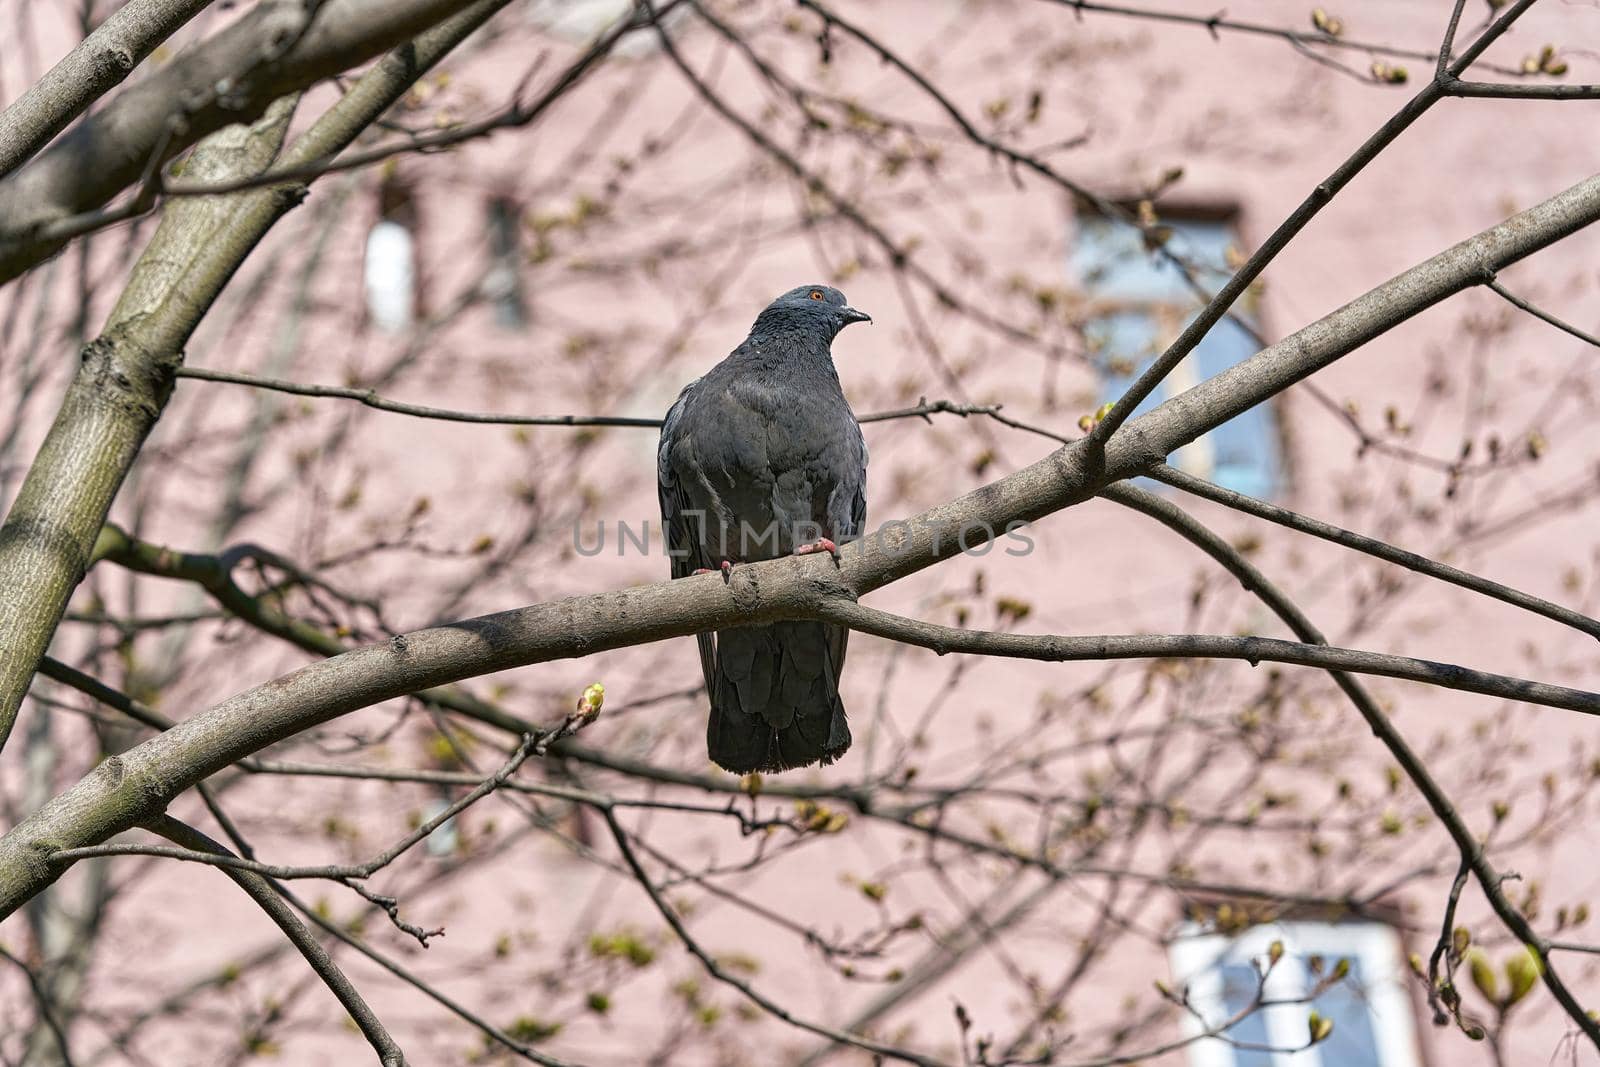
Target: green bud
(1483, 975)
(1522, 972)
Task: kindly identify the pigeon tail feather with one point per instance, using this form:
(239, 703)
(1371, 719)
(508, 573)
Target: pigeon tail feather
(775, 698)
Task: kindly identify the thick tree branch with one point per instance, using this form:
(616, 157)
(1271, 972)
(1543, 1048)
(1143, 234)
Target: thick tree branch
(98, 64)
(280, 47)
(515, 115)
(118, 392)
(122, 387)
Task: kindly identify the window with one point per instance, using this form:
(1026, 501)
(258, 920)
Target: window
(502, 285)
(390, 270)
(1139, 302)
(446, 837)
(1370, 1008)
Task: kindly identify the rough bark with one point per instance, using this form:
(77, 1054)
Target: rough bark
(121, 386)
(95, 67)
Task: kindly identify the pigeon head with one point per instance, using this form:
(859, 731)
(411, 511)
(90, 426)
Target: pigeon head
(813, 308)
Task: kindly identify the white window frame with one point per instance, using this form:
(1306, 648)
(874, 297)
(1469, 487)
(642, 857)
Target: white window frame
(1198, 957)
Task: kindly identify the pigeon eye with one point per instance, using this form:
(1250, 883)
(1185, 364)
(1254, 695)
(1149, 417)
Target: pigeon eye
(816, 294)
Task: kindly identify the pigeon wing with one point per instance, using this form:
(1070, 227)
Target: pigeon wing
(847, 514)
(681, 533)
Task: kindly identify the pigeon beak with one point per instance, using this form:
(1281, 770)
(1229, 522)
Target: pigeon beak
(850, 314)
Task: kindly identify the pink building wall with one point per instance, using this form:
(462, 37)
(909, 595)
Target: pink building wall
(1254, 126)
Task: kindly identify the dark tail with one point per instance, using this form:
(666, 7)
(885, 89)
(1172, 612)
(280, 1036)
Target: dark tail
(775, 697)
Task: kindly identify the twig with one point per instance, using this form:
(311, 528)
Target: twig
(1444, 1008)
(1309, 208)
(1501, 91)
(1373, 547)
(261, 891)
(1539, 313)
(372, 400)
(716, 970)
(483, 1025)
(342, 873)
(900, 258)
(1305, 40)
(1059, 649)
(41, 998)
(923, 409)
(514, 115)
(1470, 848)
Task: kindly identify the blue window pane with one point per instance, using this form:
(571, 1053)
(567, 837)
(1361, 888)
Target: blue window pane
(1151, 301)
(1239, 985)
(1110, 260)
(1245, 449)
(1352, 1043)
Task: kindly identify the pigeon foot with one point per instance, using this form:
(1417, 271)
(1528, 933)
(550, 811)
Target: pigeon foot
(821, 544)
(726, 570)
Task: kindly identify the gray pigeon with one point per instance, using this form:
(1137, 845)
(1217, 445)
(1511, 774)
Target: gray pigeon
(762, 458)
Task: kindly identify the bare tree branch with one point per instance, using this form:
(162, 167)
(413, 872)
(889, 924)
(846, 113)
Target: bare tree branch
(515, 115)
(1501, 91)
(898, 256)
(96, 65)
(1262, 509)
(280, 47)
(1302, 40)
(343, 872)
(123, 384)
(42, 998)
(371, 399)
(721, 974)
(266, 897)
(1539, 313)
(455, 1007)
(114, 400)
(1058, 649)
(1467, 843)
(1308, 209)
